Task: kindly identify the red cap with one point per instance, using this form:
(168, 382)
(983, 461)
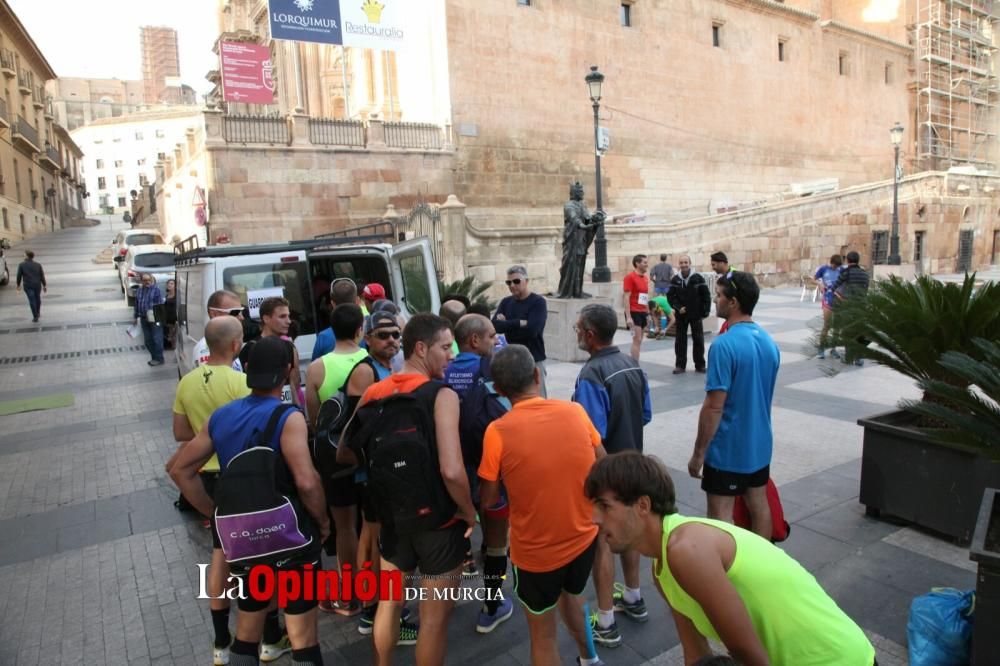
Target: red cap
(373, 292)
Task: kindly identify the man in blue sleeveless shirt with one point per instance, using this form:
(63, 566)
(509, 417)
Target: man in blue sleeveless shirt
(227, 431)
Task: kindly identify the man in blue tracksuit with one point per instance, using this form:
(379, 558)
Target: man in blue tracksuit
(614, 391)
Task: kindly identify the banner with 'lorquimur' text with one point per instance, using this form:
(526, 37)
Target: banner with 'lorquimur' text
(374, 24)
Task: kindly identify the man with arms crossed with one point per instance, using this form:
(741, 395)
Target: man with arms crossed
(552, 537)
(520, 317)
(732, 452)
(226, 433)
(721, 582)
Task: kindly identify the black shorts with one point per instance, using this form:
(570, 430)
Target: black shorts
(341, 492)
(295, 606)
(640, 319)
(435, 552)
(368, 511)
(720, 482)
(539, 592)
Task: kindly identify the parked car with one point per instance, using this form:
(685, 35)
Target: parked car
(129, 237)
(302, 272)
(158, 260)
(4, 268)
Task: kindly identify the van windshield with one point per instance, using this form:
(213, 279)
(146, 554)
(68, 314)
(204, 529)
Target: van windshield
(256, 282)
(155, 260)
(144, 239)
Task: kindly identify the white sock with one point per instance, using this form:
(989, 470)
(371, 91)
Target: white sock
(605, 618)
(587, 661)
(632, 595)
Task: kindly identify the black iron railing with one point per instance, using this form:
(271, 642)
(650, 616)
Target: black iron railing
(412, 135)
(25, 80)
(25, 129)
(3, 111)
(53, 156)
(6, 59)
(255, 129)
(330, 132)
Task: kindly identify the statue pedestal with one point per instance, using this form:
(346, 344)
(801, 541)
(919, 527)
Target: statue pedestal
(560, 338)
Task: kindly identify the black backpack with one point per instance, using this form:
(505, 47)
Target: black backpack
(396, 438)
(481, 405)
(258, 514)
(331, 420)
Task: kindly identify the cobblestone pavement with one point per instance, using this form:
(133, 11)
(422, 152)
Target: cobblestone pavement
(96, 565)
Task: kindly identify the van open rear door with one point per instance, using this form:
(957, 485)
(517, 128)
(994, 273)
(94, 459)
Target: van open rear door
(415, 276)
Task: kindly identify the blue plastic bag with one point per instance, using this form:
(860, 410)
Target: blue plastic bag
(939, 632)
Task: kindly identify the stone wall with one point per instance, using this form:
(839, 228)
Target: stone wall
(693, 127)
(261, 192)
(778, 242)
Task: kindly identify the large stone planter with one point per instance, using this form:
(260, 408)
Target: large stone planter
(985, 551)
(935, 486)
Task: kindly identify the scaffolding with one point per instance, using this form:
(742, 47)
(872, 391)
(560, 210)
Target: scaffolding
(957, 90)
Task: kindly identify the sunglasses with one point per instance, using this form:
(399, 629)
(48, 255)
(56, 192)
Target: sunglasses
(514, 281)
(236, 312)
(385, 335)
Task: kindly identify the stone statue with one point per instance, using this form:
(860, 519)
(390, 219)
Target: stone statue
(578, 233)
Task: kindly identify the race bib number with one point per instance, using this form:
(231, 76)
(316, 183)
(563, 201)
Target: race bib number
(286, 394)
(643, 299)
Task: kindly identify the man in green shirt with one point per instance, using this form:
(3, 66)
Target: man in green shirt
(659, 308)
(721, 582)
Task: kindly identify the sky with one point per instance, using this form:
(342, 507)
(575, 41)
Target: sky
(100, 38)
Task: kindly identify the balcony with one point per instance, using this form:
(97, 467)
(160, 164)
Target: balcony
(4, 118)
(26, 135)
(7, 63)
(38, 97)
(50, 159)
(24, 81)
(50, 109)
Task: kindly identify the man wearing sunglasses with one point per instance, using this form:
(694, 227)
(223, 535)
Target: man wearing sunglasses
(521, 316)
(221, 303)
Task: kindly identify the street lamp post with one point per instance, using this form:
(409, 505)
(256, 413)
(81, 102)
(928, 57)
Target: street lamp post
(896, 136)
(601, 272)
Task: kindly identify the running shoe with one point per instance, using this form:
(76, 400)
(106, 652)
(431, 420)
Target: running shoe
(609, 636)
(821, 355)
(347, 609)
(366, 621)
(220, 655)
(272, 651)
(596, 663)
(488, 623)
(407, 633)
(636, 611)
(469, 567)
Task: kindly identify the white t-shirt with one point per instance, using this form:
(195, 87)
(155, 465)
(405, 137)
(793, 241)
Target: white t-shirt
(201, 354)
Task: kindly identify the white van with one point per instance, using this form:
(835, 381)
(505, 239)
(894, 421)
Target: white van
(300, 271)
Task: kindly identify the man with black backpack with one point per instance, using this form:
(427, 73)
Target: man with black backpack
(326, 378)
(468, 374)
(268, 486)
(405, 432)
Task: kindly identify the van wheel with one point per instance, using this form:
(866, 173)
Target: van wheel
(6, 278)
(130, 300)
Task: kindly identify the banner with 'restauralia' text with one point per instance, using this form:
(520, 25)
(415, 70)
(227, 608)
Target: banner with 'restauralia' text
(373, 24)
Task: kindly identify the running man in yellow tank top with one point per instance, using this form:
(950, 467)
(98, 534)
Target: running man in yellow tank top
(721, 582)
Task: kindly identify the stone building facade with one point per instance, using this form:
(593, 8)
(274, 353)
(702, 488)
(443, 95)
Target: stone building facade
(40, 184)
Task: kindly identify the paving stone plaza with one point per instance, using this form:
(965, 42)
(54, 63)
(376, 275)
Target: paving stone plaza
(98, 567)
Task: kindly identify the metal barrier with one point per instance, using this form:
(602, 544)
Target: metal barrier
(412, 135)
(255, 129)
(330, 132)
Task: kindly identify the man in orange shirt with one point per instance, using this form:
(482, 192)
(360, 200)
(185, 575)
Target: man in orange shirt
(552, 537)
(438, 553)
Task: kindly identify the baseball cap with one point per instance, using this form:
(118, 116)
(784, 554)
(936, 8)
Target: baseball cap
(380, 319)
(268, 363)
(373, 291)
(385, 305)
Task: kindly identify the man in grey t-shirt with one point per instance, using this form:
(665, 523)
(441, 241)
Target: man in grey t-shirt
(661, 274)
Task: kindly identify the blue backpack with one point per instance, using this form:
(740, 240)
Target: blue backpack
(481, 405)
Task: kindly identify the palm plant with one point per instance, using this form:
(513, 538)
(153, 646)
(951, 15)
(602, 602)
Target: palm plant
(970, 413)
(909, 326)
(471, 288)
